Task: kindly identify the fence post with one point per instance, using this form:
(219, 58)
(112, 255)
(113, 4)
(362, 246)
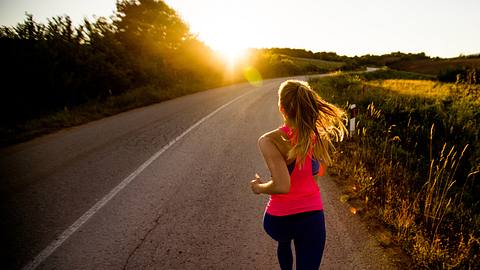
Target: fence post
(352, 113)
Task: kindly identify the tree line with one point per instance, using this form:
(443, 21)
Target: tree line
(52, 66)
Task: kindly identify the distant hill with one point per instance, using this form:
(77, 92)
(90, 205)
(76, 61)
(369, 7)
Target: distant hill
(318, 63)
(436, 66)
(278, 63)
(465, 68)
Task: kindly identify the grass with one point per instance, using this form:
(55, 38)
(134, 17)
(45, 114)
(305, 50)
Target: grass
(386, 73)
(413, 161)
(417, 88)
(93, 110)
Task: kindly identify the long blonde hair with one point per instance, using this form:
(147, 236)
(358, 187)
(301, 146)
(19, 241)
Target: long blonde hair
(315, 122)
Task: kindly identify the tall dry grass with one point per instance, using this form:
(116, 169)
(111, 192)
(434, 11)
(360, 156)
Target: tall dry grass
(414, 161)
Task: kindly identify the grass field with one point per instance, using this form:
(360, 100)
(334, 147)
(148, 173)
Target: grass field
(414, 161)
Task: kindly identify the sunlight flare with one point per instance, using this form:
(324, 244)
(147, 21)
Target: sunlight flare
(232, 54)
(253, 76)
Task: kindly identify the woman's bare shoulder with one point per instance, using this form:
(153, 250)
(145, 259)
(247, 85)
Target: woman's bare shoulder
(269, 145)
(273, 136)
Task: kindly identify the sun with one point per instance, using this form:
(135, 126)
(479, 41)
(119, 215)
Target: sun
(231, 53)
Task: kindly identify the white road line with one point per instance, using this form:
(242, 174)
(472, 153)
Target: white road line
(45, 253)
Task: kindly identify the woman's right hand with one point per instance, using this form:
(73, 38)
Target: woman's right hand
(254, 184)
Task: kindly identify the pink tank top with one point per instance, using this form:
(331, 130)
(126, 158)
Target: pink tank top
(304, 194)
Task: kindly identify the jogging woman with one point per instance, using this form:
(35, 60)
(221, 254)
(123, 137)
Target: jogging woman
(294, 154)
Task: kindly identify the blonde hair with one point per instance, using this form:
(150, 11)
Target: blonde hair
(315, 122)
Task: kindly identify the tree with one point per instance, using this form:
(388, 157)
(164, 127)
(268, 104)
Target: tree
(151, 32)
(150, 26)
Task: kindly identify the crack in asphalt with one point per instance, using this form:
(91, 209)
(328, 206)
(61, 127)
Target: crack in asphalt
(142, 240)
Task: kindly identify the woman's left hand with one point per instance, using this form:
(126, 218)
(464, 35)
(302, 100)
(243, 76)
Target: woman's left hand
(254, 184)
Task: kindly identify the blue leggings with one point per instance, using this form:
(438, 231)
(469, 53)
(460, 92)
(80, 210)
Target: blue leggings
(307, 230)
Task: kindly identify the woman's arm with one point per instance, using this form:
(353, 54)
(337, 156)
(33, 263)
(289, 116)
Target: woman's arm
(280, 181)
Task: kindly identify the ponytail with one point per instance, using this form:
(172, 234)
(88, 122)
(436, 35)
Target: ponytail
(315, 122)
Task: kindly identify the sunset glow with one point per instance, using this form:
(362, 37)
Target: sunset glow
(231, 53)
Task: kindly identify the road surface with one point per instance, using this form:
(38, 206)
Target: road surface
(160, 187)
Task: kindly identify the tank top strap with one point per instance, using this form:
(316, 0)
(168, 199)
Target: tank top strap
(287, 130)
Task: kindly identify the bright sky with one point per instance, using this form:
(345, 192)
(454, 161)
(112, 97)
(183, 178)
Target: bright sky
(444, 28)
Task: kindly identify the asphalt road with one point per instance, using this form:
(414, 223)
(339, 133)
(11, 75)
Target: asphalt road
(189, 208)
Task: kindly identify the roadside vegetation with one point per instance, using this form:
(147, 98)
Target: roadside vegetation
(413, 161)
(57, 74)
